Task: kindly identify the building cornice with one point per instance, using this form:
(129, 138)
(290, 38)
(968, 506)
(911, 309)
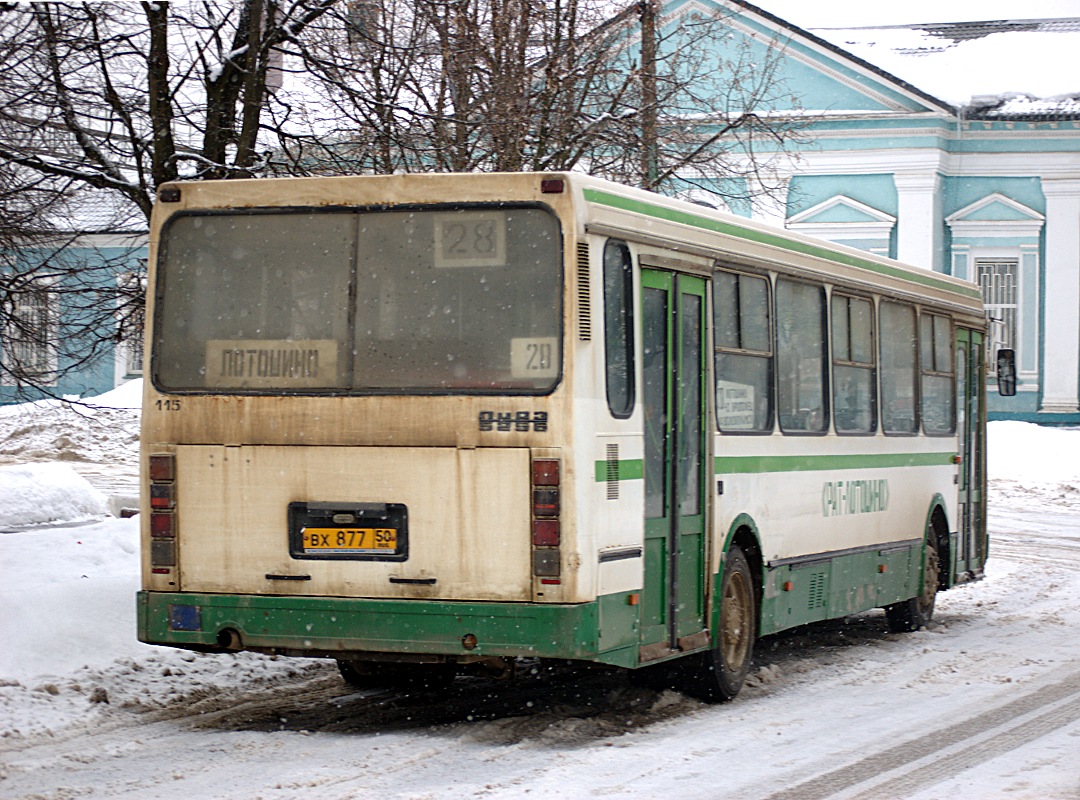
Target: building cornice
(1047, 166)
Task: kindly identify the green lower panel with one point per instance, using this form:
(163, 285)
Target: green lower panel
(324, 626)
(620, 626)
(799, 594)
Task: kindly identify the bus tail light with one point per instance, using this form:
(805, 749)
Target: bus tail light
(545, 472)
(162, 467)
(546, 532)
(161, 525)
(546, 536)
(162, 492)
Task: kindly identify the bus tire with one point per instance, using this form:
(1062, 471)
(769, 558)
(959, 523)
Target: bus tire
(724, 668)
(915, 613)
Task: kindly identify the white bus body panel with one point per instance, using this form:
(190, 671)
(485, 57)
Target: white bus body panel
(805, 512)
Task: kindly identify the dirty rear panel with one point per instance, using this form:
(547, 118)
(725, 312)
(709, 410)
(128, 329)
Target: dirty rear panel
(381, 522)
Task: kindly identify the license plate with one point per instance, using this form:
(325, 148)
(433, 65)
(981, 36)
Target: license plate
(325, 541)
(348, 531)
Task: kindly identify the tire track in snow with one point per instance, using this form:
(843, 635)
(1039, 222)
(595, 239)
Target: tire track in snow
(938, 755)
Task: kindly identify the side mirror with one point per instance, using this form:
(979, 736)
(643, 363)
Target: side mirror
(1006, 372)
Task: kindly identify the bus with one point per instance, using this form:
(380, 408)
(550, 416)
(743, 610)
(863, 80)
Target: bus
(433, 424)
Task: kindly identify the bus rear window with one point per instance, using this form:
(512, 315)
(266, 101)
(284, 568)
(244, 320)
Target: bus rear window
(419, 301)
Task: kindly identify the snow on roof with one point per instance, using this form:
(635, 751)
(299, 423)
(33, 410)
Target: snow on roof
(958, 61)
(1013, 106)
(97, 211)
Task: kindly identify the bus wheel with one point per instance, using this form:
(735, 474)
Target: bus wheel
(356, 675)
(913, 614)
(723, 669)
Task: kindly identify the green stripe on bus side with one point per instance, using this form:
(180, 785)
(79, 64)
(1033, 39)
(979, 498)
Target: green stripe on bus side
(727, 465)
(634, 469)
(772, 239)
(630, 469)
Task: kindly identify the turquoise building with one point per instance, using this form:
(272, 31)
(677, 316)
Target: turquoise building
(983, 187)
(913, 147)
(60, 334)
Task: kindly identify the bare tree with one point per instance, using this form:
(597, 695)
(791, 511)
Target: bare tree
(126, 98)
(507, 85)
(706, 109)
(109, 101)
(120, 99)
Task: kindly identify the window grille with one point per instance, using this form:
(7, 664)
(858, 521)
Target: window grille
(134, 364)
(131, 344)
(997, 278)
(29, 337)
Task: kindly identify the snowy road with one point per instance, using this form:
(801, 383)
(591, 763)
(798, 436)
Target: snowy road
(984, 704)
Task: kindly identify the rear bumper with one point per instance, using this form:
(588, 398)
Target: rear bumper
(330, 626)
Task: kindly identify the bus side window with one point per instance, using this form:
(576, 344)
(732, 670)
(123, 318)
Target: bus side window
(619, 328)
(854, 389)
(801, 357)
(898, 368)
(936, 358)
(743, 348)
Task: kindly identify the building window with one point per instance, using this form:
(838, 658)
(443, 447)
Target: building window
(997, 278)
(133, 350)
(130, 316)
(363, 24)
(29, 336)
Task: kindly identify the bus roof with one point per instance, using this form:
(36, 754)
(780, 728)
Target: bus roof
(608, 208)
(706, 231)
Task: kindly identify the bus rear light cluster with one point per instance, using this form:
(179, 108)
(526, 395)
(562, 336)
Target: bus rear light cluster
(162, 473)
(546, 536)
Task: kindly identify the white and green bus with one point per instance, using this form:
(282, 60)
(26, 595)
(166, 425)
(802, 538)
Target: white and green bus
(426, 424)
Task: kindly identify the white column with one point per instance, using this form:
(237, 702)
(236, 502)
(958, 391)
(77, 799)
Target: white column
(770, 208)
(1061, 357)
(919, 225)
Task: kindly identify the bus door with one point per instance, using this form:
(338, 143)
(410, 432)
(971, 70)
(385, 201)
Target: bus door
(673, 330)
(970, 393)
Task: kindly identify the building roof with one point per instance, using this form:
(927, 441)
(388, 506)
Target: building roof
(98, 211)
(846, 54)
(958, 61)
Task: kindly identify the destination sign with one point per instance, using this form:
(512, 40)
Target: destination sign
(271, 364)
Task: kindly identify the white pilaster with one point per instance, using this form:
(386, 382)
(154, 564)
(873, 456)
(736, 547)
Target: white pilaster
(769, 204)
(1061, 357)
(919, 227)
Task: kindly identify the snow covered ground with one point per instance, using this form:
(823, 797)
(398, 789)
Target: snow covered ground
(983, 704)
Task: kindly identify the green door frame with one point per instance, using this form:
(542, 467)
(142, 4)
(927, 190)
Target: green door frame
(970, 551)
(676, 462)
